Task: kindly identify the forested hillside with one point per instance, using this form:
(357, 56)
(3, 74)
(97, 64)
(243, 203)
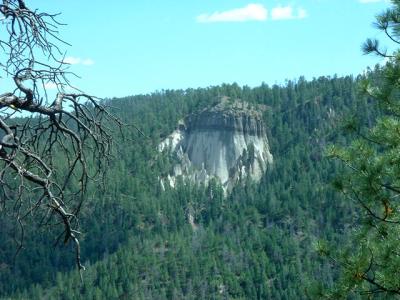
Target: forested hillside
(257, 243)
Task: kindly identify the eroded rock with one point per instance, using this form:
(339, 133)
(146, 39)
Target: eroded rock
(227, 141)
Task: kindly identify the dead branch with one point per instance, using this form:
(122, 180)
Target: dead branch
(56, 146)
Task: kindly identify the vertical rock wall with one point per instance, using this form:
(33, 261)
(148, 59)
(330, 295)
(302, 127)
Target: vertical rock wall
(227, 142)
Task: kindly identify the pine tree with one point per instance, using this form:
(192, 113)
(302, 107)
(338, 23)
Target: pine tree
(371, 263)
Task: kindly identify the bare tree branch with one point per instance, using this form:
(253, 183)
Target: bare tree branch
(59, 144)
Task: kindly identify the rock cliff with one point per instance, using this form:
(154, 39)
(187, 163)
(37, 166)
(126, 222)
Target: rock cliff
(227, 141)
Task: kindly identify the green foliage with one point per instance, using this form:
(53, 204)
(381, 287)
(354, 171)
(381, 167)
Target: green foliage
(371, 262)
(138, 242)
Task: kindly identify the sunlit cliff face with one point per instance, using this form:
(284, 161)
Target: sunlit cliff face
(227, 142)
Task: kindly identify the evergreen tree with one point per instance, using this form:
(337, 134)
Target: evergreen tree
(371, 263)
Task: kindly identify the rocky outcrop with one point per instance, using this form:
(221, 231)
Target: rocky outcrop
(227, 141)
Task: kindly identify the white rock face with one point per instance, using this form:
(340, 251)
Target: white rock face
(227, 142)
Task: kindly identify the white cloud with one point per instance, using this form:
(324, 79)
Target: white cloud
(78, 61)
(254, 12)
(87, 62)
(72, 60)
(287, 13)
(50, 86)
(371, 1)
(251, 12)
(301, 13)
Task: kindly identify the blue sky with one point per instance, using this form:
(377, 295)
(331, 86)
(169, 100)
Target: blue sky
(130, 47)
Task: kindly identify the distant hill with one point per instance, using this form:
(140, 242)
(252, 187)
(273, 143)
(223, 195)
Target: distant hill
(191, 242)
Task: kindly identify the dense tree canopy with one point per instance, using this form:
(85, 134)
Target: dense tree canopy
(137, 241)
(140, 242)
